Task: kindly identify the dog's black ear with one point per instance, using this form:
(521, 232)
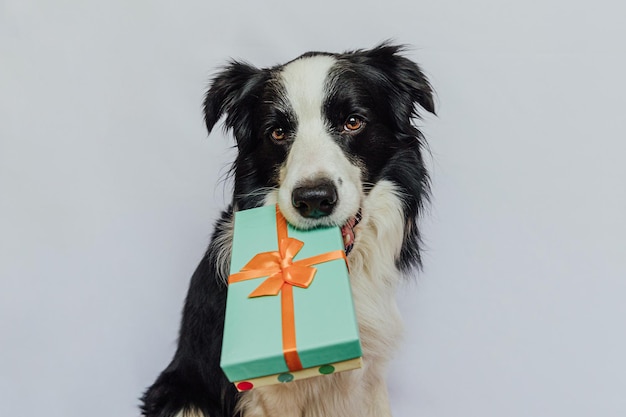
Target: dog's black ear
(402, 78)
(229, 91)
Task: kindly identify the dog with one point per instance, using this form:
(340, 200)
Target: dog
(331, 139)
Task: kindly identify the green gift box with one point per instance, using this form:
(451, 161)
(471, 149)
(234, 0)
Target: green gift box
(289, 309)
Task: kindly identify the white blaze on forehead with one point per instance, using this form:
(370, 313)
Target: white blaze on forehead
(305, 84)
(314, 153)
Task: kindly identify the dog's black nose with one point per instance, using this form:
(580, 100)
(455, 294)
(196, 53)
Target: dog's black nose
(315, 199)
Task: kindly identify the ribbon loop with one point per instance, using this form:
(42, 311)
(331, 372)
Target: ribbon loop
(270, 286)
(289, 247)
(264, 260)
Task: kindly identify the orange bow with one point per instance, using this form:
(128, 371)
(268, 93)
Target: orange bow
(283, 273)
(281, 268)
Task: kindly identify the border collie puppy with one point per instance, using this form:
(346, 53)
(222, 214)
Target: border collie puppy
(330, 139)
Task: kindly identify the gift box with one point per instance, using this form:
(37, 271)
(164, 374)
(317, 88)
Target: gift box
(289, 309)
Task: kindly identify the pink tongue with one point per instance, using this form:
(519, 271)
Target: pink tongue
(347, 233)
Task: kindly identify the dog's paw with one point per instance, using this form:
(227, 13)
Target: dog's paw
(183, 393)
(163, 398)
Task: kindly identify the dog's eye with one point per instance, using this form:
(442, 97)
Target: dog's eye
(353, 123)
(278, 134)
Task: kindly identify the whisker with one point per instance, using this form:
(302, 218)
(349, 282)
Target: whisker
(259, 192)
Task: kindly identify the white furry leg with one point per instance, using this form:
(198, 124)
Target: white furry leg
(377, 402)
(270, 401)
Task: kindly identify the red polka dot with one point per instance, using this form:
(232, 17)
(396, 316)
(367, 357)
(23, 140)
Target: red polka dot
(245, 386)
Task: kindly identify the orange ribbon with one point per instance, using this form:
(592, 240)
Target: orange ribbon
(283, 274)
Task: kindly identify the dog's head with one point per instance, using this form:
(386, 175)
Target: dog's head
(316, 134)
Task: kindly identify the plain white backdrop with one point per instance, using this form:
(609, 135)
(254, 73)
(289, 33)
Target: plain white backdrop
(109, 187)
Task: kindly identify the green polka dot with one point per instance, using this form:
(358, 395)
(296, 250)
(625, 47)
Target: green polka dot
(285, 378)
(327, 369)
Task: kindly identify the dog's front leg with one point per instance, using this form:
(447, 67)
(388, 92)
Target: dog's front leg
(272, 401)
(376, 394)
(193, 383)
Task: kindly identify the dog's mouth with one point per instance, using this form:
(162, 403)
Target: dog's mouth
(347, 231)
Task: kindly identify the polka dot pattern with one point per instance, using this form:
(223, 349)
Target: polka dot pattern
(287, 377)
(245, 386)
(326, 369)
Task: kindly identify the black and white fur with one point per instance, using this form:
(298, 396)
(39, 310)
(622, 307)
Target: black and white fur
(294, 129)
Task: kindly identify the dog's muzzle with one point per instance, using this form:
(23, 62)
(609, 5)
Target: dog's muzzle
(318, 198)
(315, 199)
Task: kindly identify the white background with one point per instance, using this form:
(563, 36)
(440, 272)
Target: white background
(109, 187)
